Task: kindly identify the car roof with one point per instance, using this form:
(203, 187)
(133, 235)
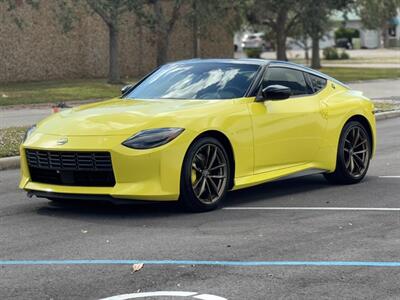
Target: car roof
(244, 61)
(261, 62)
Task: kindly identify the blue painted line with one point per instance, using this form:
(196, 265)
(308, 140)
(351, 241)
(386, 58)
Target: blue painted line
(203, 262)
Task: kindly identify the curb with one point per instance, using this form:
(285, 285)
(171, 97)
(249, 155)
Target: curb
(9, 163)
(49, 105)
(387, 115)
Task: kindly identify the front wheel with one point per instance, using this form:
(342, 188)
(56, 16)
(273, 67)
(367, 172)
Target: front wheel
(354, 154)
(205, 175)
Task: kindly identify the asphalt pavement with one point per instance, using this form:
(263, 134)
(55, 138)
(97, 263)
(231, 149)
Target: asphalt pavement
(351, 234)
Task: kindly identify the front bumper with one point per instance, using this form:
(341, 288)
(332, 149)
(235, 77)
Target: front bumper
(151, 174)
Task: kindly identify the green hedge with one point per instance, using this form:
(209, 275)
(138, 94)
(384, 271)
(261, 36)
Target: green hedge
(348, 33)
(332, 53)
(253, 52)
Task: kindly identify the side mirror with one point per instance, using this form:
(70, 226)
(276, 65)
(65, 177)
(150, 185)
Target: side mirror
(276, 92)
(125, 89)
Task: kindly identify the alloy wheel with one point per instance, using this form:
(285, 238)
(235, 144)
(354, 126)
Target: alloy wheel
(209, 173)
(356, 151)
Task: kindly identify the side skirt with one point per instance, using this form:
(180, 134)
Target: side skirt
(286, 173)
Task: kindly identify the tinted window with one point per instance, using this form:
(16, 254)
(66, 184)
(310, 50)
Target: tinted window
(288, 77)
(197, 81)
(318, 83)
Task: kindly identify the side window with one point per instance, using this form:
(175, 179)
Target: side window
(288, 77)
(318, 83)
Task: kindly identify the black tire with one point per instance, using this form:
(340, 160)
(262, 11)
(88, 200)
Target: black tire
(191, 185)
(343, 173)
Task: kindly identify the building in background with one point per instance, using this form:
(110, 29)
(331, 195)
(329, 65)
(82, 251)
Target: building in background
(369, 38)
(41, 51)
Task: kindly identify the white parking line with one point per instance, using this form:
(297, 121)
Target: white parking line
(313, 208)
(389, 176)
(193, 295)
(150, 294)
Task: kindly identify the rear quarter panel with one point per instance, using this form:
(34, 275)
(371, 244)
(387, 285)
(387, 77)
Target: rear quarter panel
(342, 104)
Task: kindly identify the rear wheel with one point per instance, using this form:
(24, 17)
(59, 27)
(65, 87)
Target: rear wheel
(205, 175)
(354, 154)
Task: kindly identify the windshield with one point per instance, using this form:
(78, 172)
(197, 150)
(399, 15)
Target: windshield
(196, 81)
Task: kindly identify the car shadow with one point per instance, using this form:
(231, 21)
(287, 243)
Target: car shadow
(98, 209)
(275, 190)
(271, 193)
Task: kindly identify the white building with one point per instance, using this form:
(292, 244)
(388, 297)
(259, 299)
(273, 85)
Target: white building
(370, 38)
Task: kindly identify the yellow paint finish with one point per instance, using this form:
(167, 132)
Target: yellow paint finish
(269, 139)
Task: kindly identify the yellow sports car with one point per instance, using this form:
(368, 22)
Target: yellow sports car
(192, 130)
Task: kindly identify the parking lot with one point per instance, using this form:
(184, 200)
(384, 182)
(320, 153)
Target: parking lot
(293, 239)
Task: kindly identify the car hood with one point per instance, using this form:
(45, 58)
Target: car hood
(124, 117)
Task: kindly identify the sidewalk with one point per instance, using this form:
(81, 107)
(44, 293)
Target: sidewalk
(22, 117)
(363, 65)
(388, 89)
(338, 64)
(25, 116)
(371, 58)
(368, 55)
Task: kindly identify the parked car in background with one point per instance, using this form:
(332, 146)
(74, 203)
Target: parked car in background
(344, 43)
(256, 40)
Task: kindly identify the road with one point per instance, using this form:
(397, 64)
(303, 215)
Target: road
(378, 89)
(32, 229)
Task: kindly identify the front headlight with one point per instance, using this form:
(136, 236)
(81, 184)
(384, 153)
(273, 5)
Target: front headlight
(29, 132)
(152, 138)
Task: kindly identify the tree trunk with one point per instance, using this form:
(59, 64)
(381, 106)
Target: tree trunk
(161, 33)
(141, 48)
(385, 36)
(113, 73)
(280, 30)
(196, 38)
(281, 46)
(195, 31)
(306, 48)
(315, 59)
(162, 47)
(307, 55)
(198, 44)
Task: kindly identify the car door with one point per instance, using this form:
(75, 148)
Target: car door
(286, 132)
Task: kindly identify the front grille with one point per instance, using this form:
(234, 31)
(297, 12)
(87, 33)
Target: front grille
(71, 168)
